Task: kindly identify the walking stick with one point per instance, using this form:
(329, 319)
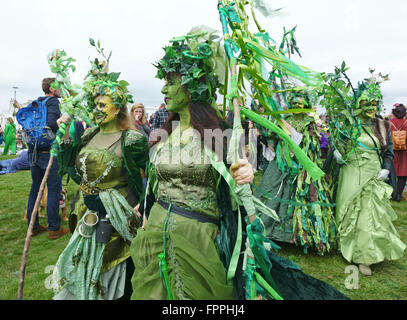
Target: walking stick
(60, 64)
(30, 228)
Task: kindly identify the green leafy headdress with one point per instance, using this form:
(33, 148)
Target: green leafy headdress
(369, 92)
(99, 82)
(198, 58)
(299, 94)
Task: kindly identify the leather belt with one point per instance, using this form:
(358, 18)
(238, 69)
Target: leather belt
(87, 189)
(189, 214)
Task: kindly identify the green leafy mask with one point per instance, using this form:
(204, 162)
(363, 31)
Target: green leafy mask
(369, 92)
(298, 99)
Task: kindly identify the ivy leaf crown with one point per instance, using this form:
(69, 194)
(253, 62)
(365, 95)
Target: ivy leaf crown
(192, 56)
(369, 88)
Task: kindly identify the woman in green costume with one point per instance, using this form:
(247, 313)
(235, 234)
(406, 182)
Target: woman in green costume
(304, 206)
(363, 213)
(10, 137)
(183, 222)
(186, 248)
(106, 163)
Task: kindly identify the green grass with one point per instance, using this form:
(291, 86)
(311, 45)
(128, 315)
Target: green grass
(388, 280)
(43, 252)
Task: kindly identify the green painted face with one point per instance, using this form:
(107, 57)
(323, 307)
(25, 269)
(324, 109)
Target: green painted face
(177, 97)
(369, 108)
(297, 103)
(105, 110)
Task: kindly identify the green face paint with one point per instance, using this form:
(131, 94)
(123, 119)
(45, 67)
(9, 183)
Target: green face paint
(369, 100)
(369, 108)
(297, 102)
(105, 111)
(177, 96)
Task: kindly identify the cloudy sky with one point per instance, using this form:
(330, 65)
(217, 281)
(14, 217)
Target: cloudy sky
(363, 33)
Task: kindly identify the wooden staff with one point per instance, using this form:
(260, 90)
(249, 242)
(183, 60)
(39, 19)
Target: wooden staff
(30, 229)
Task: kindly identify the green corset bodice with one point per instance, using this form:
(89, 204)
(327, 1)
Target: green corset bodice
(191, 186)
(366, 141)
(100, 168)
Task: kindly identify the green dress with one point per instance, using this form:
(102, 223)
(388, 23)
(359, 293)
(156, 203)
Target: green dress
(89, 269)
(364, 214)
(194, 266)
(199, 255)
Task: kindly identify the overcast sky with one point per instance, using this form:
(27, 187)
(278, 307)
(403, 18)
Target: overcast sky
(363, 33)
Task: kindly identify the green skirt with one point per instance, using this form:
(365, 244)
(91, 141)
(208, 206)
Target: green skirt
(275, 185)
(194, 267)
(364, 214)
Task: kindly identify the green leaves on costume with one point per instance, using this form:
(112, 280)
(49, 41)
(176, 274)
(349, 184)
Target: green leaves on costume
(342, 103)
(198, 58)
(255, 51)
(61, 65)
(338, 98)
(99, 82)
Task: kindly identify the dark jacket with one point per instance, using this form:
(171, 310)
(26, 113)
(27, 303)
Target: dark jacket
(381, 129)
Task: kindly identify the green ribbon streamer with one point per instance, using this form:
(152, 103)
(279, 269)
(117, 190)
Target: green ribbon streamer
(313, 170)
(220, 167)
(162, 260)
(259, 260)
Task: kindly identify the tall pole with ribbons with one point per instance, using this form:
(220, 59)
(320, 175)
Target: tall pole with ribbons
(248, 52)
(243, 192)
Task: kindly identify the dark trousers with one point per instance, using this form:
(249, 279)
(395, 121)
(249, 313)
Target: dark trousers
(401, 183)
(38, 166)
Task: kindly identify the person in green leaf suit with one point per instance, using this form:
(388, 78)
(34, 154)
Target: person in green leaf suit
(364, 214)
(10, 137)
(183, 223)
(192, 242)
(305, 207)
(106, 163)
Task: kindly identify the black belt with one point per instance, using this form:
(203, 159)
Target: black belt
(189, 214)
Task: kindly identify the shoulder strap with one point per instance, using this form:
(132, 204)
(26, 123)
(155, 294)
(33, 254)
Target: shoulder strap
(399, 129)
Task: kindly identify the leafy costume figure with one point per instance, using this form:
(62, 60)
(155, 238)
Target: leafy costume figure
(303, 204)
(193, 240)
(106, 163)
(364, 150)
(10, 137)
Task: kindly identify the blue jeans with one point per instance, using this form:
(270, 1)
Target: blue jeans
(54, 184)
(6, 166)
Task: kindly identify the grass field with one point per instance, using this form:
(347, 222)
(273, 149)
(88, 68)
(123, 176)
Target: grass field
(388, 281)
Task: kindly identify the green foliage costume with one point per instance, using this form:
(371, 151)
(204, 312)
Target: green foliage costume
(364, 214)
(192, 244)
(10, 138)
(106, 165)
(304, 205)
(109, 184)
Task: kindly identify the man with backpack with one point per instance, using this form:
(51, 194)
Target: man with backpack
(39, 122)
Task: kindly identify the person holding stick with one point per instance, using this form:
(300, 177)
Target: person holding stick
(106, 162)
(191, 244)
(38, 158)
